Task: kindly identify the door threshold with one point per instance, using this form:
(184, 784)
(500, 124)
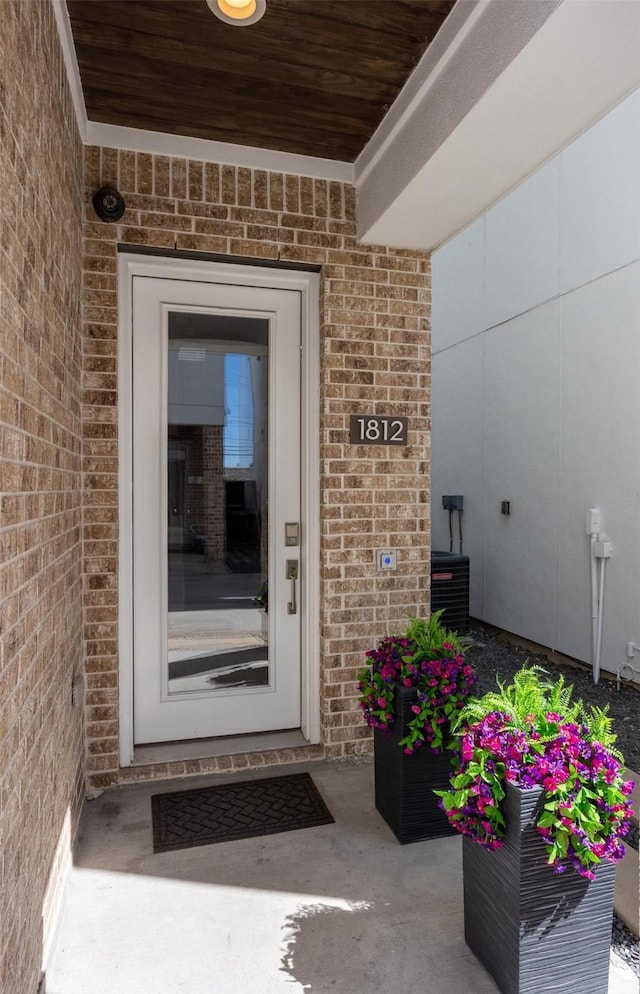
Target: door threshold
(232, 745)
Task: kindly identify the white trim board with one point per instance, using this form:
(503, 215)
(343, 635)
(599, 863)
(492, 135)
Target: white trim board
(422, 81)
(307, 284)
(71, 64)
(522, 83)
(181, 146)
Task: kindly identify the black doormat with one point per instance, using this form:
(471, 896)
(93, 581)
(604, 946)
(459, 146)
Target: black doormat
(226, 812)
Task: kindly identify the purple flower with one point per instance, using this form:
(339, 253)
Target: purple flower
(442, 681)
(582, 780)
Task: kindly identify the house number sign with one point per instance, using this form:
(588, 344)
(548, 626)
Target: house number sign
(371, 429)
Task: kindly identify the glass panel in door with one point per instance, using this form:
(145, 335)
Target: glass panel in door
(217, 507)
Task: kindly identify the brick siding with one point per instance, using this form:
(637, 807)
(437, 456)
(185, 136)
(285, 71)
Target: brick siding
(375, 356)
(41, 734)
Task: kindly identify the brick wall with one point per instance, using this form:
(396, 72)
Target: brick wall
(375, 356)
(41, 735)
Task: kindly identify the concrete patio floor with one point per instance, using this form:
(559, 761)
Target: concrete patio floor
(338, 909)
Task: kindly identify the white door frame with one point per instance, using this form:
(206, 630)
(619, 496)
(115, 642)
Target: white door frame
(307, 284)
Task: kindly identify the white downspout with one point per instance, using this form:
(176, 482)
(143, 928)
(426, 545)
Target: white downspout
(593, 527)
(600, 551)
(595, 571)
(602, 562)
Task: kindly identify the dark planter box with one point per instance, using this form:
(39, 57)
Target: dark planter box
(536, 931)
(404, 784)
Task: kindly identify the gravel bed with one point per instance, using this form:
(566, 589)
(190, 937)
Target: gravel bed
(492, 656)
(625, 945)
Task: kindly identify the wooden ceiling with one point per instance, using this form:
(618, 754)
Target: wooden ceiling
(313, 77)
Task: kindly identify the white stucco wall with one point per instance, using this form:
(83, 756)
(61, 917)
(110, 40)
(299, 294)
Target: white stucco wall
(536, 392)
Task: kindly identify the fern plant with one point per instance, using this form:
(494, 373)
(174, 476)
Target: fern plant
(532, 733)
(429, 635)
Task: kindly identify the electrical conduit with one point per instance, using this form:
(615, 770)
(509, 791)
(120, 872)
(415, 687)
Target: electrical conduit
(600, 552)
(602, 562)
(594, 608)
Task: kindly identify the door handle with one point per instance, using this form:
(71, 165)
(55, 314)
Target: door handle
(292, 574)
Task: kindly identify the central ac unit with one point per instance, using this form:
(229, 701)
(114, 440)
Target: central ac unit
(450, 589)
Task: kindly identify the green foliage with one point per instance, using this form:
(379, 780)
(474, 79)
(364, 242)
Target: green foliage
(531, 733)
(429, 658)
(429, 635)
(531, 696)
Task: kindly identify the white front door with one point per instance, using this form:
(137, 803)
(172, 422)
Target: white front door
(216, 509)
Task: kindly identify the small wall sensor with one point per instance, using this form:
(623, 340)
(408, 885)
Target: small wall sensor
(387, 559)
(505, 507)
(108, 204)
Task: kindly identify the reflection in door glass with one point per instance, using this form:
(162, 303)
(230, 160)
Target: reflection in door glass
(217, 527)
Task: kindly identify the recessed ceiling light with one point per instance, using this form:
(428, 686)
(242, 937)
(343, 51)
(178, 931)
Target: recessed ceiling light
(238, 12)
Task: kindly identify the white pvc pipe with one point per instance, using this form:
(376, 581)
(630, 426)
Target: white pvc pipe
(596, 662)
(594, 606)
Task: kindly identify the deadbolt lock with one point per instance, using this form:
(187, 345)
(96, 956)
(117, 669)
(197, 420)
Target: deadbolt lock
(292, 533)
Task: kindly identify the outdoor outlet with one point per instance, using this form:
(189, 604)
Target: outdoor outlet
(453, 502)
(387, 559)
(593, 521)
